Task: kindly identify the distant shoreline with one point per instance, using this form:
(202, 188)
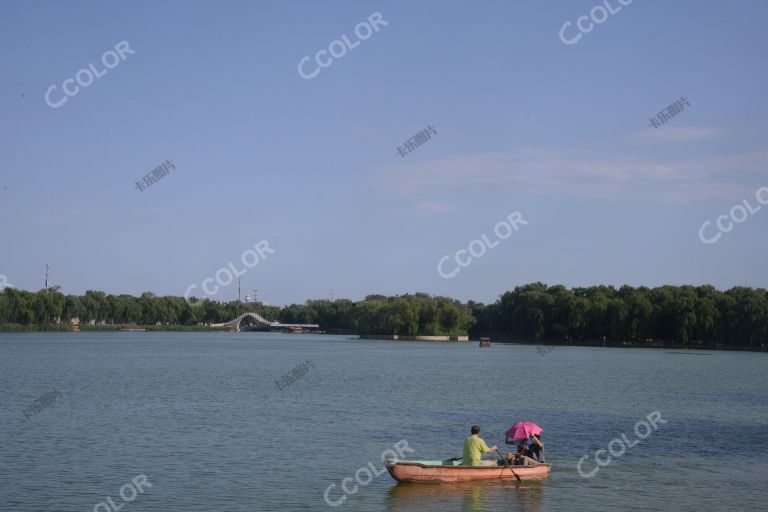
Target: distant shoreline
(544, 346)
(110, 328)
(665, 316)
(547, 347)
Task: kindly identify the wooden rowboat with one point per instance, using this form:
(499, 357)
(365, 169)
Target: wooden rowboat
(452, 471)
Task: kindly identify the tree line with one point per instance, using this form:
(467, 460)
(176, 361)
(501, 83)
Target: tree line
(685, 315)
(418, 314)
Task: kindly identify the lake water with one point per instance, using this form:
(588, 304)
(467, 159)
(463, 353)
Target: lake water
(200, 416)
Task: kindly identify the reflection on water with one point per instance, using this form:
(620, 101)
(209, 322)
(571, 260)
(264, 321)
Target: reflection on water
(467, 496)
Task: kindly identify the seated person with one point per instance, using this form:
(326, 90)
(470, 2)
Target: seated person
(523, 456)
(475, 448)
(524, 460)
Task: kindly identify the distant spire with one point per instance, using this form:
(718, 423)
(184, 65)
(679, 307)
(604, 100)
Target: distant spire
(46, 275)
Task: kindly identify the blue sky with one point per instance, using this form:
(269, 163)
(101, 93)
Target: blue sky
(524, 123)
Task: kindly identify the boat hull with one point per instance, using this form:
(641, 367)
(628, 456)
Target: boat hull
(419, 472)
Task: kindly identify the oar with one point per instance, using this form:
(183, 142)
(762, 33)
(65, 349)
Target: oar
(507, 464)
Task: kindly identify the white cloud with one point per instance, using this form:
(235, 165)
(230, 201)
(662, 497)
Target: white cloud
(574, 173)
(683, 133)
(421, 206)
(149, 211)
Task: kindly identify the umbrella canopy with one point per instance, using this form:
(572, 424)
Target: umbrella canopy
(523, 430)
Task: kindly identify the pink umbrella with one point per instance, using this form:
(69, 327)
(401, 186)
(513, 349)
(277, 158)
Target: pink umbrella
(523, 430)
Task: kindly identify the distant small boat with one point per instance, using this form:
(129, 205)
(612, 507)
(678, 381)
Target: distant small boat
(485, 341)
(132, 329)
(451, 471)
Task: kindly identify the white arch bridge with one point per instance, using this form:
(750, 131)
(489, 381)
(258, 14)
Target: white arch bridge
(263, 323)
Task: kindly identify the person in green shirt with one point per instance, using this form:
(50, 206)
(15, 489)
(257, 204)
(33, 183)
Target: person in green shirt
(475, 448)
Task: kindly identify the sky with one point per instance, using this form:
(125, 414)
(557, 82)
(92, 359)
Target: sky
(518, 121)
